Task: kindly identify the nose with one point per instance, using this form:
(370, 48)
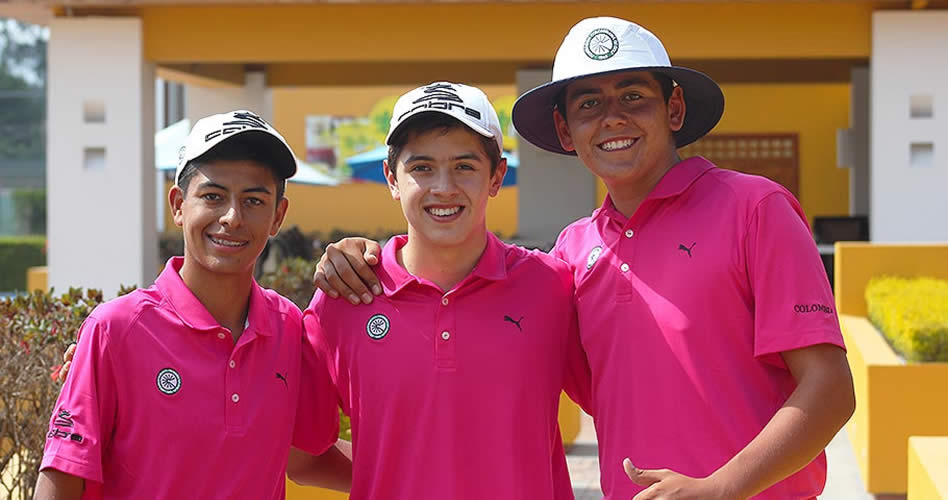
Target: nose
(445, 184)
(615, 114)
(232, 217)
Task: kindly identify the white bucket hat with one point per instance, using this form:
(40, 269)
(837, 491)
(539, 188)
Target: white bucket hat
(467, 104)
(602, 45)
(211, 131)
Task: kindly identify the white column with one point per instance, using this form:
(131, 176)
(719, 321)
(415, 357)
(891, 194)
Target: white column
(909, 127)
(253, 95)
(100, 155)
(553, 190)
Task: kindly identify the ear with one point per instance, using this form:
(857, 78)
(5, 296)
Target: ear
(281, 208)
(176, 200)
(562, 131)
(676, 109)
(497, 180)
(391, 180)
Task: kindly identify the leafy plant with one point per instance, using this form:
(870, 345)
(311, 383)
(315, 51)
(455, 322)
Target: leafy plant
(912, 314)
(35, 329)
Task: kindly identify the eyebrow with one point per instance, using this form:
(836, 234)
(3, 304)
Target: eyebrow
(462, 156)
(214, 185)
(628, 82)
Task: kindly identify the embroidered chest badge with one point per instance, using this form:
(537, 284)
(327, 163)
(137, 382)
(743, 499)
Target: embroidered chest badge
(169, 381)
(377, 327)
(593, 257)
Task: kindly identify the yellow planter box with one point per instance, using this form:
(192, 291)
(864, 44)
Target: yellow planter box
(928, 468)
(894, 400)
(569, 429)
(37, 279)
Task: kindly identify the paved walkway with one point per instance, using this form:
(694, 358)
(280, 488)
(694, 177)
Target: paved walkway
(843, 481)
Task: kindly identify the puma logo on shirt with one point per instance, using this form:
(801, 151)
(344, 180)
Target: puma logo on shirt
(281, 377)
(514, 321)
(683, 248)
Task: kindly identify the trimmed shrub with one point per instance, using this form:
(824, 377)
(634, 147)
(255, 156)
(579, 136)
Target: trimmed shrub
(35, 329)
(17, 254)
(912, 314)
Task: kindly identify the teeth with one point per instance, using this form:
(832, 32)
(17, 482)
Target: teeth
(226, 243)
(444, 212)
(614, 145)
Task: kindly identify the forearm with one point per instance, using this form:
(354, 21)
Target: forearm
(797, 433)
(332, 469)
(55, 485)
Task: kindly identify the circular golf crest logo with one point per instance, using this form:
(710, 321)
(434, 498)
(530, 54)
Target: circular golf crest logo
(601, 44)
(593, 257)
(169, 381)
(377, 326)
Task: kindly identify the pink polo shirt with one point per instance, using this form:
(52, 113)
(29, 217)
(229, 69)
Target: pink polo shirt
(454, 395)
(684, 309)
(160, 402)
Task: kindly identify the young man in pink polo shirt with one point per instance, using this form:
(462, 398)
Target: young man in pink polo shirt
(452, 376)
(717, 363)
(192, 388)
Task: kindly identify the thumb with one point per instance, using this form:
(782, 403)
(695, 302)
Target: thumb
(371, 254)
(639, 476)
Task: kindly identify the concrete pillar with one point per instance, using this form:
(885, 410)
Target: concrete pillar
(909, 127)
(859, 143)
(253, 95)
(100, 155)
(554, 190)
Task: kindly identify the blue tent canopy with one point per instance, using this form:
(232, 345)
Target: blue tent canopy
(367, 166)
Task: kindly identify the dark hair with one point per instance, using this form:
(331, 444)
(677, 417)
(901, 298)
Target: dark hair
(664, 82)
(426, 122)
(231, 150)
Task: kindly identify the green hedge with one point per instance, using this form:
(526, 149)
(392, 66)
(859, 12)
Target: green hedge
(17, 254)
(912, 314)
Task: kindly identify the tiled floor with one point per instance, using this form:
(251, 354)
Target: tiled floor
(843, 481)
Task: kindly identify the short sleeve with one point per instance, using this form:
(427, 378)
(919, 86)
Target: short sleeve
(317, 416)
(793, 303)
(82, 422)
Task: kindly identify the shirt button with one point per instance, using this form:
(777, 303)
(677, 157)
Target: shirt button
(235, 397)
(221, 335)
(629, 233)
(232, 364)
(624, 267)
(444, 301)
(446, 335)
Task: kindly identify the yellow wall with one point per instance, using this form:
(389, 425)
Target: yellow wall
(893, 400)
(928, 468)
(478, 31)
(814, 111)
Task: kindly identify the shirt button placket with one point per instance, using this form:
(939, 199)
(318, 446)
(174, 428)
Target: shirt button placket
(444, 343)
(233, 392)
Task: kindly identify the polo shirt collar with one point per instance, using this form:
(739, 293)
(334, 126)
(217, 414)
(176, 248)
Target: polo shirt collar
(676, 181)
(491, 266)
(193, 313)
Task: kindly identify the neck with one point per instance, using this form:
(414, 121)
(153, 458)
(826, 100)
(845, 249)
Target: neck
(628, 194)
(225, 296)
(445, 266)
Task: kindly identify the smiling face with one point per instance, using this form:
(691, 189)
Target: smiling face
(443, 180)
(621, 126)
(227, 213)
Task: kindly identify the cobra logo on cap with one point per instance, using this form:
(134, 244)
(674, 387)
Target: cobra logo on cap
(601, 44)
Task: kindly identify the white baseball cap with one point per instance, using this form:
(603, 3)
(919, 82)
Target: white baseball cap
(602, 45)
(467, 104)
(212, 130)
